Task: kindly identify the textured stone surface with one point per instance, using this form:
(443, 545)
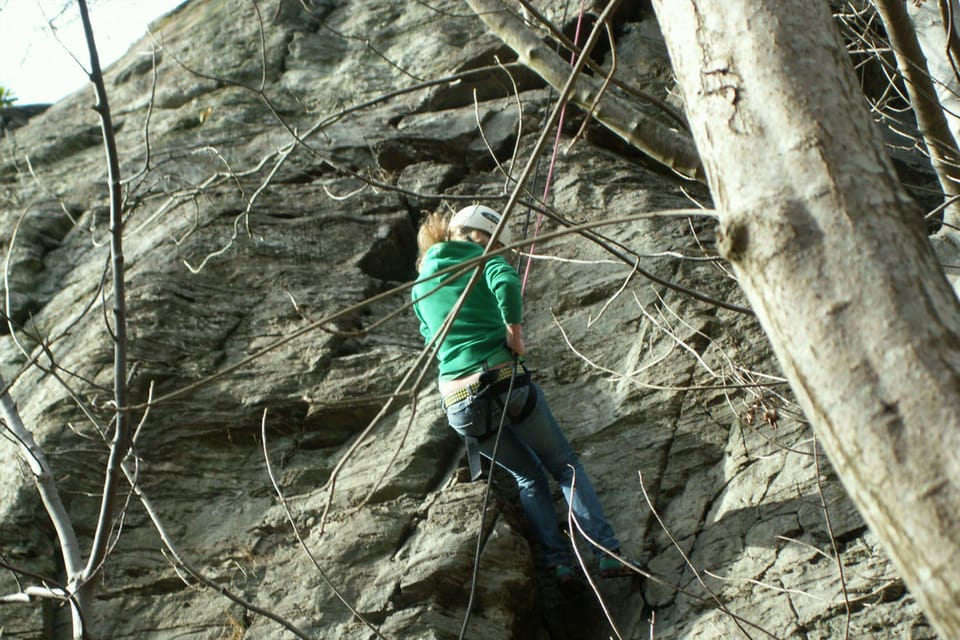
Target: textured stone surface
(236, 241)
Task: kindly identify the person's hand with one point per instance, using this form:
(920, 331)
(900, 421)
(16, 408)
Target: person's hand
(515, 339)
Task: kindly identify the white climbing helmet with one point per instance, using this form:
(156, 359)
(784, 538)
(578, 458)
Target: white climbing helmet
(481, 218)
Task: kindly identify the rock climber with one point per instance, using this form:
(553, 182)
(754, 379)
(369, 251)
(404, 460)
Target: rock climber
(477, 362)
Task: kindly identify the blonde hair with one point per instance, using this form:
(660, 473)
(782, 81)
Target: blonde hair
(434, 228)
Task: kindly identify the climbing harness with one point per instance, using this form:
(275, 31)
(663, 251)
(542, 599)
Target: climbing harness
(472, 390)
(486, 395)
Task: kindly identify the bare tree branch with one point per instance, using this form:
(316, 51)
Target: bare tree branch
(52, 502)
(666, 146)
(121, 438)
(923, 96)
(195, 573)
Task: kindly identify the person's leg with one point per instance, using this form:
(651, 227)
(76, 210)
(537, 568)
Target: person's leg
(540, 432)
(534, 489)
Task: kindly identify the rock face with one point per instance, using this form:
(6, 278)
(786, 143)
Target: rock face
(14, 117)
(276, 163)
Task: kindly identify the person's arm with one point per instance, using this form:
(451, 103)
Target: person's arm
(503, 281)
(515, 339)
(424, 327)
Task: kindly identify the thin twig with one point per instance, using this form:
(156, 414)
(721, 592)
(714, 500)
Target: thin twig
(183, 565)
(300, 540)
(833, 538)
(737, 620)
(574, 525)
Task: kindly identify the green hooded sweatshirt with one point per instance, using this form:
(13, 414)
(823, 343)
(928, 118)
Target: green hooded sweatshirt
(477, 337)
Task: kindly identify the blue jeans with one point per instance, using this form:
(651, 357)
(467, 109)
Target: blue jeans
(528, 449)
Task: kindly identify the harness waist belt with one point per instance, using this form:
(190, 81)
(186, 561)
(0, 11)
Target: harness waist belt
(471, 389)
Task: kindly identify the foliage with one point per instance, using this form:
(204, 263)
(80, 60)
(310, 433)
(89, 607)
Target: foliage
(7, 97)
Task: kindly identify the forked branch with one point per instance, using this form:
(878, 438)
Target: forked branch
(667, 146)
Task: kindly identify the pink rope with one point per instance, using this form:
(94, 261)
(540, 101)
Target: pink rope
(553, 158)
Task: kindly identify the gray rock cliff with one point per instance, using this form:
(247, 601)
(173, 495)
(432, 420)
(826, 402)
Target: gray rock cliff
(277, 158)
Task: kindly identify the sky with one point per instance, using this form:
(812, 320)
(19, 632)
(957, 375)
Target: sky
(37, 68)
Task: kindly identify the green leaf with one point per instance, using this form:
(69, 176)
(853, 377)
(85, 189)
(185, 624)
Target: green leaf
(7, 97)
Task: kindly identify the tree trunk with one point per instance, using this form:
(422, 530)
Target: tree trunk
(836, 264)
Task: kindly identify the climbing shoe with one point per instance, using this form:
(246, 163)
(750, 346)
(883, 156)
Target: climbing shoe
(564, 574)
(568, 580)
(609, 567)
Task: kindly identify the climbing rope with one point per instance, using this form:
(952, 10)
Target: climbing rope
(553, 157)
(513, 376)
(486, 501)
